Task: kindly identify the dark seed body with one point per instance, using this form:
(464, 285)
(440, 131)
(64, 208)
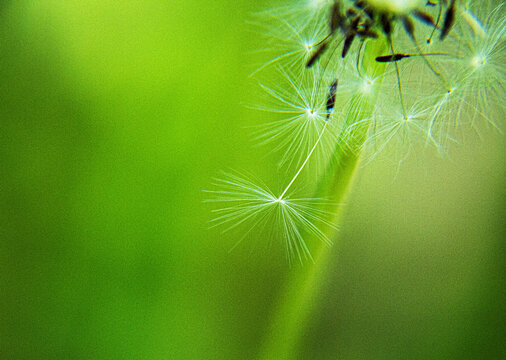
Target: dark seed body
(354, 23)
(367, 34)
(369, 13)
(424, 17)
(391, 58)
(408, 26)
(350, 12)
(449, 20)
(331, 99)
(347, 44)
(336, 18)
(386, 24)
(360, 4)
(316, 54)
(333, 87)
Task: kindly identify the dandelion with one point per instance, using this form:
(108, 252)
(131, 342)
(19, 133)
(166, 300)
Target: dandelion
(349, 79)
(410, 72)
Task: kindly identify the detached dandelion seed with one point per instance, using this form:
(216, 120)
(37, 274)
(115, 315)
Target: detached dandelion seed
(291, 217)
(296, 216)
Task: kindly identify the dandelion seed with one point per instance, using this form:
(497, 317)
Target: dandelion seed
(292, 33)
(301, 103)
(398, 133)
(257, 208)
(485, 71)
(294, 215)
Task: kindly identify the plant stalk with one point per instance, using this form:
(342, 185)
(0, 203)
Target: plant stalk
(299, 300)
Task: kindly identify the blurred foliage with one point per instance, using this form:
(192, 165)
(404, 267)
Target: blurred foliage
(115, 115)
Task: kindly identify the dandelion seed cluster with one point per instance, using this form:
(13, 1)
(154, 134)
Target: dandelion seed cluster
(409, 72)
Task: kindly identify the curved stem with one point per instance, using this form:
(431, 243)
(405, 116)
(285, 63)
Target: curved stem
(291, 317)
(298, 301)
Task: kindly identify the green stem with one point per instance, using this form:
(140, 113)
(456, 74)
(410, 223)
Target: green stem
(291, 318)
(298, 302)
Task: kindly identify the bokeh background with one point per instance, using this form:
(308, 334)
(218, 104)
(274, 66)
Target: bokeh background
(116, 114)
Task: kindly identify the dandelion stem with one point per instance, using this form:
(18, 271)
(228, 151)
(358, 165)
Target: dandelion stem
(298, 301)
(291, 317)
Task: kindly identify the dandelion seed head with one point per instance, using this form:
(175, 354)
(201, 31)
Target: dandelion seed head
(478, 61)
(427, 97)
(480, 70)
(367, 86)
(318, 4)
(396, 6)
(396, 133)
(311, 112)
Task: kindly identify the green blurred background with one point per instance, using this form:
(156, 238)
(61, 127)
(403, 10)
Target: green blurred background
(116, 114)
